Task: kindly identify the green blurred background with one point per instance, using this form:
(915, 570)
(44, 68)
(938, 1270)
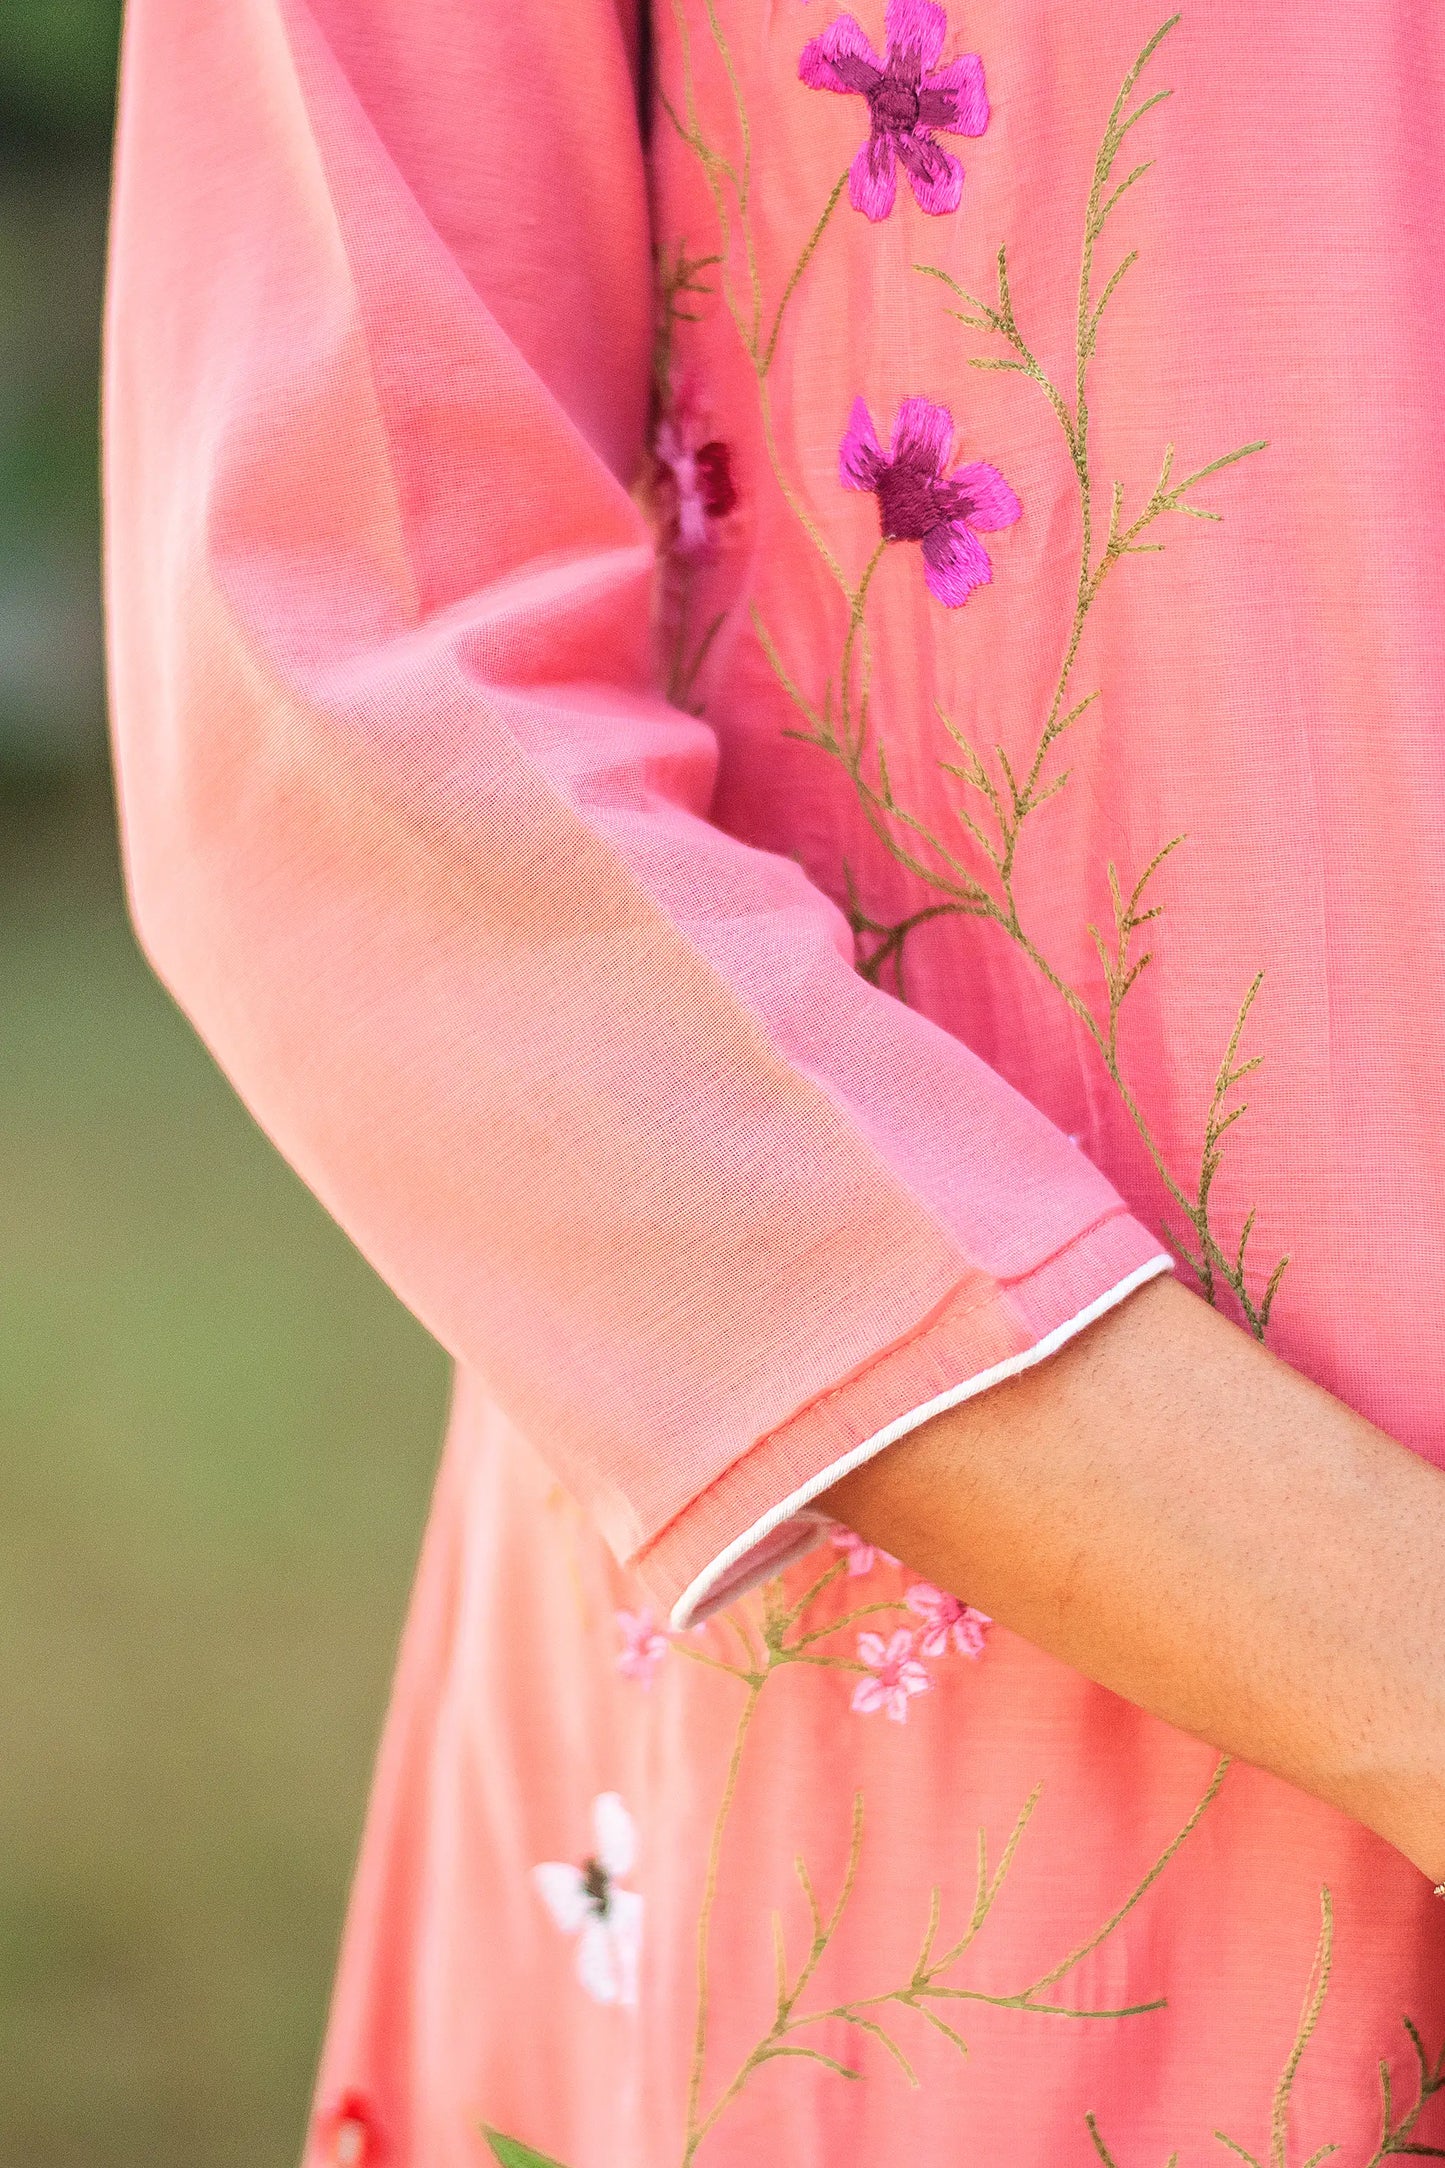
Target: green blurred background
(217, 1429)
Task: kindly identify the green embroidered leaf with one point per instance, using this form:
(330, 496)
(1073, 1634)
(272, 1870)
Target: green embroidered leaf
(513, 2154)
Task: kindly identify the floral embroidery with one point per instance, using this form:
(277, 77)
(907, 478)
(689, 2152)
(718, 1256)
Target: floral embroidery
(695, 475)
(693, 489)
(908, 97)
(919, 502)
(349, 2133)
(586, 1901)
(947, 1619)
(896, 1675)
(1000, 794)
(861, 1556)
(643, 1646)
(785, 1629)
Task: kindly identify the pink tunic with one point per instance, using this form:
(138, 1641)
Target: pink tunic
(659, 747)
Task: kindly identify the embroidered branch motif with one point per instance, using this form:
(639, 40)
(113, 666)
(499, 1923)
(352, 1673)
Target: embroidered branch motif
(774, 1632)
(877, 944)
(997, 800)
(980, 879)
(784, 1636)
(1397, 2133)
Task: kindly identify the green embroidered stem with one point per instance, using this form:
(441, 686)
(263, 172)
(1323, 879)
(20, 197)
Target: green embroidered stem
(1086, 1949)
(718, 171)
(765, 360)
(1398, 2138)
(696, 2129)
(1314, 2002)
(782, 1644)
(686, 668)
(679, 282)
(857, 607)
(927, 1984)
(1315, 1991)
(888, 940)
(1105, 2156)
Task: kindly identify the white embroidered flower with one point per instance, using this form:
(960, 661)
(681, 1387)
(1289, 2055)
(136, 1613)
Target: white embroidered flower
(585, 1901)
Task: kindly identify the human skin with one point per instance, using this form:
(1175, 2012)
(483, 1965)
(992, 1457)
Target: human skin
(1176, 1513)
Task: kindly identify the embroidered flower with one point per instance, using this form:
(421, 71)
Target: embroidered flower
(862, 1557)
(919, 502)
(945, 1618)
(908, 97)
(349, 2134)
(896, 1674)
(586, 1901)
(696, 475)
(643, 1647)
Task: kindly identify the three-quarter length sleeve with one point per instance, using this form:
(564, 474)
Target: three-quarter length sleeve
(419, 848)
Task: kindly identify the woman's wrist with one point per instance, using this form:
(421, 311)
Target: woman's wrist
(1187, 1520)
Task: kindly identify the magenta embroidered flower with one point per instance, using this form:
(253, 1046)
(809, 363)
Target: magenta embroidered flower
(349, 2134)
(896, 1674)
(862, 1557)
(696, 474)
(919, 502)
(909, 96)
(643, 1646)
(946, 1619)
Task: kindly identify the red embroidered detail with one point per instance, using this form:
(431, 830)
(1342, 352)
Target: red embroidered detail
(349, 2133)
(715, 479)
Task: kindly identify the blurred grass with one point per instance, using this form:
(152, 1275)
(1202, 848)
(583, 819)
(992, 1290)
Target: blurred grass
(217, 1432)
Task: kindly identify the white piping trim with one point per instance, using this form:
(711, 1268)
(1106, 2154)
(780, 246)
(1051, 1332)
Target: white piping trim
(721, 1566)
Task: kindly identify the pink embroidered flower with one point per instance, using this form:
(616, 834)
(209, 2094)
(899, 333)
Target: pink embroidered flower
(909, 96)
(945, 1618)
(919, 502)
(862, 1557)
(696, 473)
(586, 1901)
(897, 1674)
(643, 1647)
(349, 2134)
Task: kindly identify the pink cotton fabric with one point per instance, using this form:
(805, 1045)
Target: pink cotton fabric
(545, 980)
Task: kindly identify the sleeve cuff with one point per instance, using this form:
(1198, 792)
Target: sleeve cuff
(759, 1514)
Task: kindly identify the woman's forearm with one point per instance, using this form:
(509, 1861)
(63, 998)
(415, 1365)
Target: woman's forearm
(1176, 1513)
